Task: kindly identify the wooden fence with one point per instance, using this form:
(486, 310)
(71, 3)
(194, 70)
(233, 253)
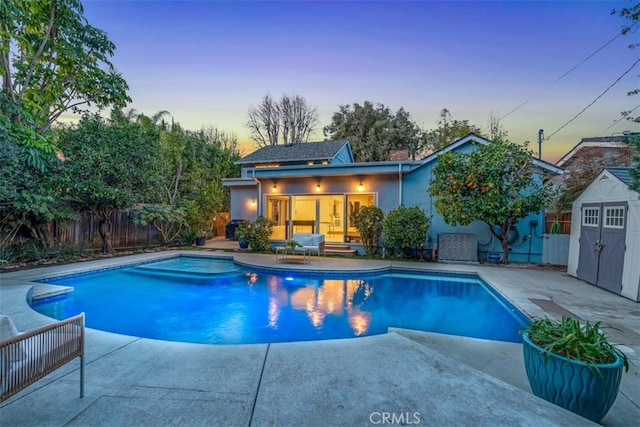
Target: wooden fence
(564, 220)
(124, 233)
(84, 232)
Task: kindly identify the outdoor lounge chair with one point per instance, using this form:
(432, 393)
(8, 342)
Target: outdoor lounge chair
(27, 357)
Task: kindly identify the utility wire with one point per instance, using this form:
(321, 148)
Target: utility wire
(627, 113)
(594, 101)
(568, 72)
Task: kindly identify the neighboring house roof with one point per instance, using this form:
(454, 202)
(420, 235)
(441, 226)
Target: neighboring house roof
(593, 146)
(621, 173)
(300, 153)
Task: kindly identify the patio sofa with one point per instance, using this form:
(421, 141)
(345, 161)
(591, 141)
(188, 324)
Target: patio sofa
(27, 357)
(311, 241)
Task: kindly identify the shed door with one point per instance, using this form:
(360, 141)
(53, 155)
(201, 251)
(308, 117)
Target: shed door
(589, 238)
(612, 239)
(602, 245)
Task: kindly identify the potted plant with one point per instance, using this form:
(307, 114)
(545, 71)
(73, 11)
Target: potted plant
(573, 366)
(243, 231)
(292, 244)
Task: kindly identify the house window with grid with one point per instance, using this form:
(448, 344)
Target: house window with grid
(614, 217)
(590, 217)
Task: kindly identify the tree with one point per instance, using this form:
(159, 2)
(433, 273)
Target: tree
(53, 61)
(289, 121)
(494, 184)
(450, 130)
(373, 130)
(632, 15)
(108, 166)
(634, 141)
(406, 133)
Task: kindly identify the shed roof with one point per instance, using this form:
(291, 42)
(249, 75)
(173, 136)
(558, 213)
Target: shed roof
(304, 151)
(622, 174)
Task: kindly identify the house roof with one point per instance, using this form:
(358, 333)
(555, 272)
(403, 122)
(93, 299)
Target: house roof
(607, 142)
(472, 137)
(288, 153)
(621, 173)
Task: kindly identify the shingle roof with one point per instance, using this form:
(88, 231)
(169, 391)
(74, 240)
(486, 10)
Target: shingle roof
(621, 173)
(323, 150)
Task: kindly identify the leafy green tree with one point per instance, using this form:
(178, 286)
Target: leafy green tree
(494, 183)
(632, 15)
(448, 131)
(634, 141)
(405, 228)
(28, 200)
(168, 220)
(406, 133)
(107, 167)
(52, 61)
(373, 130)
(368, 221)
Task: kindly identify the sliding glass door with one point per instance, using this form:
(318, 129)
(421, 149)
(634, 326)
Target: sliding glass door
(311, 213)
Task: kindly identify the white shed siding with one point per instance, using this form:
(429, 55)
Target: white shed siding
(631, 274)
(607, 188)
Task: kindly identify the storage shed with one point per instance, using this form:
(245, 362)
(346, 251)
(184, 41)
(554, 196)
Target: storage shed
(605, 236)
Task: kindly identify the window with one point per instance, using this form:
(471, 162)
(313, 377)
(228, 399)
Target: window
(590, 217)
(614, 217)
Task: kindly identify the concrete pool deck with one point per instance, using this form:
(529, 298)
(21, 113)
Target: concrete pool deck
(402, 376)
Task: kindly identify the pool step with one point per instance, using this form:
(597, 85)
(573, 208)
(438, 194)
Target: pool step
(339, 249)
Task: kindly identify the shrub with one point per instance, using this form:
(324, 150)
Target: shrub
(368, 221)
(7, 255)
(258, 233)
(168, 220)
(405, 228)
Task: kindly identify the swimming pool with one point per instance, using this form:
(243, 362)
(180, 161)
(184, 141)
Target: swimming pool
(202, 300)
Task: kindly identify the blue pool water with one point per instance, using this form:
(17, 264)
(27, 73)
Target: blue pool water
(203, 300)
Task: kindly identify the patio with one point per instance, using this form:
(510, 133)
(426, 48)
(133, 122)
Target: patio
(414, 376)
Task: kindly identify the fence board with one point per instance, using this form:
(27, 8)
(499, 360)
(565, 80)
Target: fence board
(564, 219)
(555, 249)
(84, 232)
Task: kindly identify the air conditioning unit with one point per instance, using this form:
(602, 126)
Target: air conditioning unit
(458, 247)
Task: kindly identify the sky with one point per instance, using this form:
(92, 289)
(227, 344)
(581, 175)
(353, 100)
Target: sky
(208, 62)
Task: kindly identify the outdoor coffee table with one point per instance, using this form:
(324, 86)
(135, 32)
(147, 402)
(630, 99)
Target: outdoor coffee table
(289, 254)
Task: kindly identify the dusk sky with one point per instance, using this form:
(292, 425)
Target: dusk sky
(207, 62)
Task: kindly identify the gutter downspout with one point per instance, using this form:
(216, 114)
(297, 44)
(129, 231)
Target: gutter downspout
(259, 199)
(399, 184)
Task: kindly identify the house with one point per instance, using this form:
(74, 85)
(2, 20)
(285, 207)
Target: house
(313, 187)
(609, 149)
(605, 235)
(581, 164)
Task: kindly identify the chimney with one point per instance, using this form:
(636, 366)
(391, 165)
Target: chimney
(399, 154)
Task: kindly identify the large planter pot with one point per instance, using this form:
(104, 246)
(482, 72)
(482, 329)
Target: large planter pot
(570, 383)
(243, 242)
(200, 241)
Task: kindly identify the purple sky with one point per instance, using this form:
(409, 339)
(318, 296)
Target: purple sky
(207, 62)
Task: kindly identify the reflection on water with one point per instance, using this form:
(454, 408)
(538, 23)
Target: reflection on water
(329, 298)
